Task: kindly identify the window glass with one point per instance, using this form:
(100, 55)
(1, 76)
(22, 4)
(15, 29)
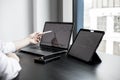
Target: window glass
(104, 15)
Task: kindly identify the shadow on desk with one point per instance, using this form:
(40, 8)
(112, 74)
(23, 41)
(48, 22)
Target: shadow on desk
(17, 78)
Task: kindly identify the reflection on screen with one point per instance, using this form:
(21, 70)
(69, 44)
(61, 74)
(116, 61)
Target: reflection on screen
(60, 35)
(54, 41)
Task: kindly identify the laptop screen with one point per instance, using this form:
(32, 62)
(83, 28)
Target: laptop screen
(60, 35)
(85, 44)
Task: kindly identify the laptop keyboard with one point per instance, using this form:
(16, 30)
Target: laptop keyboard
(35, 47)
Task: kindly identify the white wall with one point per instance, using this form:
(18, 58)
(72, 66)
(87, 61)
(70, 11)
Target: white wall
(51, 10)
(44, 10)
(67, 10)
(16, 19)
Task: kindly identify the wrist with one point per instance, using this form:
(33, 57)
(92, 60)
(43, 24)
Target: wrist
(14, 56)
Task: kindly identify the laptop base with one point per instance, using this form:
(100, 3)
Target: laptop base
(40, 52)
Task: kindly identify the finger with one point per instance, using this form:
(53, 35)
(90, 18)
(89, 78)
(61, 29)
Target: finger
(37, 40)
(41, 33)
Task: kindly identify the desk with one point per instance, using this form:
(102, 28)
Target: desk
(67, 68)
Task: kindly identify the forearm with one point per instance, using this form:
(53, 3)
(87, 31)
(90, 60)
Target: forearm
(21, 43)
(13, 55)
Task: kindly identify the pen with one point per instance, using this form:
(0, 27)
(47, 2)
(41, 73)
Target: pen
(47, 32)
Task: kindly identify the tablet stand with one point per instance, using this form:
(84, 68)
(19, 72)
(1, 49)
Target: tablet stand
(95, 59)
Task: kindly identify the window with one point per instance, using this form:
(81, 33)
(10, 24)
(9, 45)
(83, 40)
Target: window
(101, 23)
(117, 24)
(104, 15)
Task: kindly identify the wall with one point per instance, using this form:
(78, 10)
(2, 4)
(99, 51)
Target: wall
(67, 10)
(16, 19)
(51, 10)
(44, 10)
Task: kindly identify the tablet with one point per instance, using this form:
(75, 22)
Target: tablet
(85, 44)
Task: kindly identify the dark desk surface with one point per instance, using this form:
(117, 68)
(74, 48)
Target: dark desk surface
(67, 68)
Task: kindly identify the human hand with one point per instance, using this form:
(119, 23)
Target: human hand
(35, 37)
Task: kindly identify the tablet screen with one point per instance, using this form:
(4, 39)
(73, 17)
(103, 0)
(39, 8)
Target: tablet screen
(85, 44)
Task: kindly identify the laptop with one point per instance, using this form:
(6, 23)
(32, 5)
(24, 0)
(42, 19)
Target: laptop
(85, 44)
(55, 42)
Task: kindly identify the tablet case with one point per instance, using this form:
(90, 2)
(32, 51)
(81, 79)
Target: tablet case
(85, 44)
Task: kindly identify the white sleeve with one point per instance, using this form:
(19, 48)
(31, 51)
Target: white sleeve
(7, 47)
(9, 67)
